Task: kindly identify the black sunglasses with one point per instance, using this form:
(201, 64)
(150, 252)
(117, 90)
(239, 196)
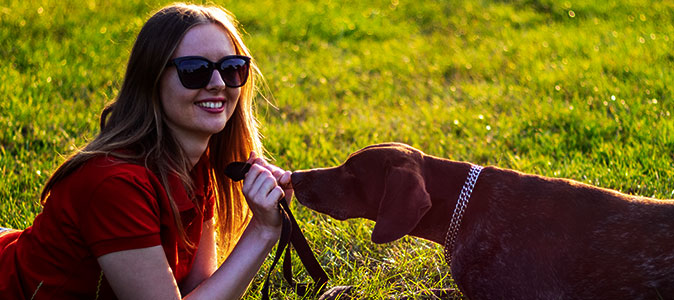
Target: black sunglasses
(195, 71)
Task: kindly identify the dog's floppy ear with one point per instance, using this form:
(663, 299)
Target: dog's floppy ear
(404, 203)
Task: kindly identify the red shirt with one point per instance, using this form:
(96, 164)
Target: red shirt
(104, 206)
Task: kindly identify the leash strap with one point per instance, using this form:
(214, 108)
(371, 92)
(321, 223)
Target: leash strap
(309, 261)
(291, 236)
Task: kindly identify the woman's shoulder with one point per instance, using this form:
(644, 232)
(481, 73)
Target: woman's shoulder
(112, 165)
(104, 167)
(102, 183)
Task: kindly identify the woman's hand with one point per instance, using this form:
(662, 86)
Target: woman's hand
(263, 193)
(282, 177)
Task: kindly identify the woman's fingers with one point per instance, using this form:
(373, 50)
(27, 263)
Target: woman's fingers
(278, 173)
(251, 157)
(275, 194)
(259, 181)
(282, 177)
(263, 193)
(254, 159)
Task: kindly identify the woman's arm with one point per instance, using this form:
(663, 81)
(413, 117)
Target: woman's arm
(145, 274)
(233, 277)
(140, 274)
(205, 260)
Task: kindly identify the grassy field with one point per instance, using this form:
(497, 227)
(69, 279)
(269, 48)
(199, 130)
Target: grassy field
(576, 89)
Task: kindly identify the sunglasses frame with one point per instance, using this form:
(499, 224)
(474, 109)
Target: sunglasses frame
(211, 66)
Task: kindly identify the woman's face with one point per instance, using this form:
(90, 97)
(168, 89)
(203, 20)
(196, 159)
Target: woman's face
(193, 115)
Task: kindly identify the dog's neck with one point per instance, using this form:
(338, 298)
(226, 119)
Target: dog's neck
(444, 195)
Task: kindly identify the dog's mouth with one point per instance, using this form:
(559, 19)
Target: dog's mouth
(340, 216)
(330, 211)
(337, 215)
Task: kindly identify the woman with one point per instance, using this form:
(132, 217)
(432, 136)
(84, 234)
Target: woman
(131, 215)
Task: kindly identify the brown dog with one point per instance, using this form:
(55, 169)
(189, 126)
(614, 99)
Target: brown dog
(522, 236)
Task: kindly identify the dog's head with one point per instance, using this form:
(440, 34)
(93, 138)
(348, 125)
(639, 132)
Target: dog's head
(381, 182)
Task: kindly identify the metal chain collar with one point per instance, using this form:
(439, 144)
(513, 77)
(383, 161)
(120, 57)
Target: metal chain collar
(460, 209)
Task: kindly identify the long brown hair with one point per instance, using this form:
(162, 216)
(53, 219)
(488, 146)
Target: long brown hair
(136, 122)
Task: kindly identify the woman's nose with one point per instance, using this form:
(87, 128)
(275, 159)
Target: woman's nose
(216, 81)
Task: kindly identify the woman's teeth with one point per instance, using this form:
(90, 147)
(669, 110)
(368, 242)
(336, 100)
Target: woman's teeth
(217, 104)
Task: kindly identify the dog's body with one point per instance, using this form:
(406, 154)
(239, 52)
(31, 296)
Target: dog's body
(522, 236)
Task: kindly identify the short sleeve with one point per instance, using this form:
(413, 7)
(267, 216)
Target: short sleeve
(122, 214)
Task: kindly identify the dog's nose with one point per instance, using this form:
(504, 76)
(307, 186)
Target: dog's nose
(297, 177)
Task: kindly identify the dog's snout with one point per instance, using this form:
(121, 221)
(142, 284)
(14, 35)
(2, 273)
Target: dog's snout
(297, 178)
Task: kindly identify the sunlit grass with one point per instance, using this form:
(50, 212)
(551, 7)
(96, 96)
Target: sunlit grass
(576, 89)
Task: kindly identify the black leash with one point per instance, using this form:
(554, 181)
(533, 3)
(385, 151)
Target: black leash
(291, 236)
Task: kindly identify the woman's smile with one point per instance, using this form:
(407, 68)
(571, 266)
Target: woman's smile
(213, 105)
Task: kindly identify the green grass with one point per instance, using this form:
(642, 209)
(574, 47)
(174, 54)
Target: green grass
(576, 89)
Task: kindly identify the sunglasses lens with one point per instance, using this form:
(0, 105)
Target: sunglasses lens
(234, 71)
(194, 73)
